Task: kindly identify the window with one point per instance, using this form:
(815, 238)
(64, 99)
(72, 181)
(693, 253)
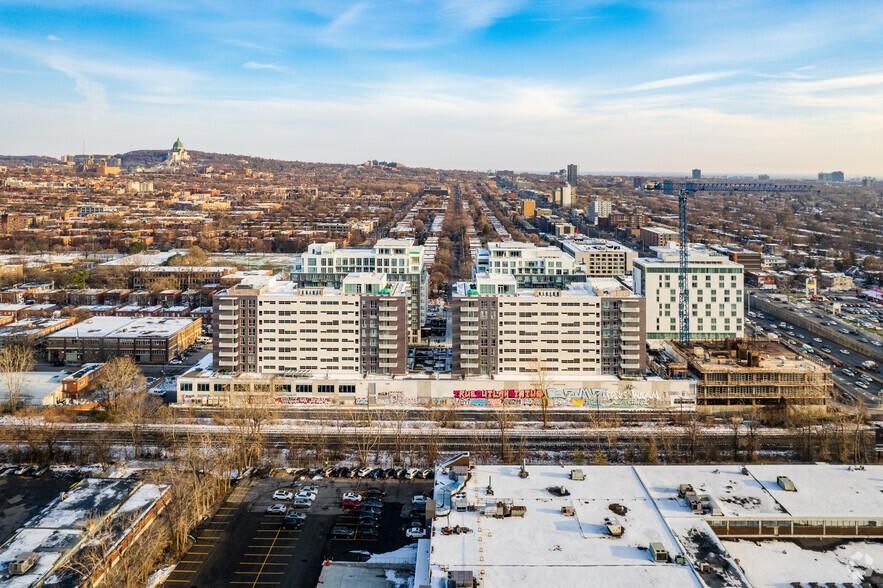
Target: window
(347, 388)
(326, 388)
(306, 388)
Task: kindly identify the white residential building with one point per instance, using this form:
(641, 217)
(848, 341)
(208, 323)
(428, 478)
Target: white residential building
(598, 209)
(593, 328)
(324, 265)
(716, 287)
(531, 265)
(266, 326)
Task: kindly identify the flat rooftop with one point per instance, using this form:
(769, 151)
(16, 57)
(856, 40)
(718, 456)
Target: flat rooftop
(124, 327)
(548, 548)
(772, 357)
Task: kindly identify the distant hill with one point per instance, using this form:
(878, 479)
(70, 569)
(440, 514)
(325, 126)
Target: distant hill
(17, 160)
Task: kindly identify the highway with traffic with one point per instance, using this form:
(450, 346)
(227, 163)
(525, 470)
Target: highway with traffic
(856, 375)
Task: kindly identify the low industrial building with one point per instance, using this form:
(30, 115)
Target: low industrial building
(184, 276)
(649, 526)
(146, 340)
(735, 374)
(107, 514)
(199, 387)
(658, 236)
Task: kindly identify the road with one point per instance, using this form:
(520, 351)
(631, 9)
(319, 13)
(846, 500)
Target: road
(829, 351)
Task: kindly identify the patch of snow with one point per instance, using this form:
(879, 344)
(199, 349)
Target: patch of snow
(407, 554)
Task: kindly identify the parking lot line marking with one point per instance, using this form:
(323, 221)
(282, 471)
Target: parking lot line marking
(261, 573)
(190, 561)
(182, 581)
(265, 561)
(266, 554)
(256, 583)
(257, 563)
(203, 545)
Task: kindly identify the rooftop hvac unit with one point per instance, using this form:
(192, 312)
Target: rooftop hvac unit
(460, 579)
(23, 562)
(577, 475)
(786, 484)
(658, 552)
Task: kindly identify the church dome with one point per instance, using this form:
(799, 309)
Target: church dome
(178, 145)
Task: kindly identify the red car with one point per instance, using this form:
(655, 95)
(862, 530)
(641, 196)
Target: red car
(350, 503)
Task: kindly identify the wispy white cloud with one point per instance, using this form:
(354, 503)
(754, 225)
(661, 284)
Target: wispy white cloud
(52, 38)
(840, 83)
(256, 65)
(677, 81)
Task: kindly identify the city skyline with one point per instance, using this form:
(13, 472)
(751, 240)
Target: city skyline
(785, 88)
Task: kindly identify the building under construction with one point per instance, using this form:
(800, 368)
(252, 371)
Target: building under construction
(733, 374)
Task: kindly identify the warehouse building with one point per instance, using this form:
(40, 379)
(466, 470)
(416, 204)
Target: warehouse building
(155, 340)
(651, 526)
(600, 257)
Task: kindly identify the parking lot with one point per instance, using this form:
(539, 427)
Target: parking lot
(243, 544)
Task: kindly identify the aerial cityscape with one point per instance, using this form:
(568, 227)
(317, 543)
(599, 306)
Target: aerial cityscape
(441, 294)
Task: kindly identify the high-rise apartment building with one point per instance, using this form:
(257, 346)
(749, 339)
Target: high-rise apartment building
(563, 195)
(599, 209)
(324, 265)
(572, 175)
(263, 325)
(532, 266)
(594, 328)
(716, 287)
(528, 208)
(697, 174)
(836, 176)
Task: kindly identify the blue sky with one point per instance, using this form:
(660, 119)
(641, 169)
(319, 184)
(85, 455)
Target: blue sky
(730, 86)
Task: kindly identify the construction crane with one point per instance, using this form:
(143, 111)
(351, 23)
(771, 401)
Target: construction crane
(685, 190)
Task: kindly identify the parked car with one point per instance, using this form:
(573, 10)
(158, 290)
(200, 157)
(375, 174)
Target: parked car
(340, 532)
(283, 495)
(415, 533)
(848, 372)
(364, 472)
(844, 351)
(175, 361)
(367, 516)
(300, 502)
(373, 503)
(294, 520)
(313, 489)
(277, 509)
(350, 503)
(371, 509)
(374, 491)
(418, 499)
(369, 523)
(368, 533)
(351, 496)
(428, 474)
(311, 496)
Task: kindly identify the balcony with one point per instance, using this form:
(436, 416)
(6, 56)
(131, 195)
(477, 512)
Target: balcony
(227, 344)
(388, 364)
(629, 308)
(464, 327)
(631, 347)
(468, 356)
(468, 364)
(223, 307)
(228, 335)
(227, 354)
(631, 319)
(388, 346)
(226, 363)
(469, 347)
(629, 329)
(630, 366)
(468, 337)
(634, 338)
(388, 355)
(388, 327)
(228, 317)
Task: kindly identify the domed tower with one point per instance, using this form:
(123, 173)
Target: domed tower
(178, 154)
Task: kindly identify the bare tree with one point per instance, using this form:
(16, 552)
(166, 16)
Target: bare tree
(540, 382)
(503, 420)
(136, 408)
(119, 376)
(16, 360)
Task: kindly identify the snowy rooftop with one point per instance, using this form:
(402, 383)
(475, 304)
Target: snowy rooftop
(124, 327)
(545, 547)
(59, 530)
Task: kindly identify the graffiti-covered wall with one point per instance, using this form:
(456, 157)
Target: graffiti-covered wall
(599, 392)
